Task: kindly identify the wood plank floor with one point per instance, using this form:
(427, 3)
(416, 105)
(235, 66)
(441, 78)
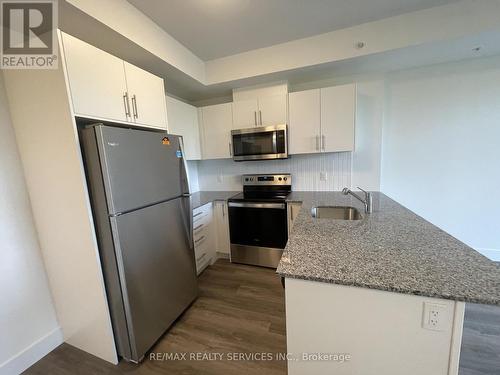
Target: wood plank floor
(241, 309)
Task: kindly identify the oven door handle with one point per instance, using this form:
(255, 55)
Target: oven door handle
(280, 206)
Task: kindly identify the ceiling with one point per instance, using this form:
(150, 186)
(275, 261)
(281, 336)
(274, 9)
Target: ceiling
(217, 28)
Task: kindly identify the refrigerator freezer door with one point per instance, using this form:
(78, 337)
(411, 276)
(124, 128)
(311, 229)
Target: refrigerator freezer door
(139, 167)
(156, 268)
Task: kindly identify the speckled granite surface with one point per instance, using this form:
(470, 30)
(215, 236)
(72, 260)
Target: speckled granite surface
(391, 249)
(201, 198)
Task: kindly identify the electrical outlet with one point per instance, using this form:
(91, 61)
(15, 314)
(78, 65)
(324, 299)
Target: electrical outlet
(435, 316)
(323, 176)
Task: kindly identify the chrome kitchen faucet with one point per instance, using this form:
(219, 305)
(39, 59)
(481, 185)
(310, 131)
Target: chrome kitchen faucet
(367, 201)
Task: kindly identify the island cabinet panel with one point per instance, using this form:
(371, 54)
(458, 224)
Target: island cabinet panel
(367, 331)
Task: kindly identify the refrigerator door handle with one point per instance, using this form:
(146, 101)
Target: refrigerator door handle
(185, 167)
(186, 196)
(189, 218)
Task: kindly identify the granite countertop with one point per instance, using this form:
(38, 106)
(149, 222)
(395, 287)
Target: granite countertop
(201, 198)
(391, 249)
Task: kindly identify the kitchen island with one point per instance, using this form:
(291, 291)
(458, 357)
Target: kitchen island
(390, 285)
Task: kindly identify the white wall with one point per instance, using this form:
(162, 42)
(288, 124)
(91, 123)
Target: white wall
(28, 325)
(441, 148)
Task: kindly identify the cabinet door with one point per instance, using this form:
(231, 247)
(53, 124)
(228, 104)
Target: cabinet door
(223, 244)
(183, 120)
(203, 236)
(304, 126)
(245, 113)
(272, 110)
(147, 97)
(338, 108)
(96, 80)
(217, 121)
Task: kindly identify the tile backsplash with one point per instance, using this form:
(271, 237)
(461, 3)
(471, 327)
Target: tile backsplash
(318, 172)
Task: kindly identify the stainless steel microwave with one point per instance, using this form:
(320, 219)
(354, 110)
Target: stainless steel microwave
(266, 142)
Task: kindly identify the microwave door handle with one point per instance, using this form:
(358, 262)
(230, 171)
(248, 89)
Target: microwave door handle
(275, 143)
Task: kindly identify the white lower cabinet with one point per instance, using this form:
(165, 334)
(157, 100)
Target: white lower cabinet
(222, 221)
(293, 209)
(203, 236)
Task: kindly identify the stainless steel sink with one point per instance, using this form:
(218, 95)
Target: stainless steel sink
(336, 212)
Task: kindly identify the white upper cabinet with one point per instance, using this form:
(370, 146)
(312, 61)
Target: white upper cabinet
(322, 120)
(216, 126)
(105, 87)
(183, 120)
(96, 80)
(262, 106)
(338, 111)
(305, 126)
(272, 110)
(147, 97)
(245, 113)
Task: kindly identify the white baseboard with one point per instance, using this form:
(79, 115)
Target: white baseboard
(492, 254)
(33, 353)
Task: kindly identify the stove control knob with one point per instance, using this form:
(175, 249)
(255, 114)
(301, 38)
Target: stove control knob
(279, 178)
(284, 178)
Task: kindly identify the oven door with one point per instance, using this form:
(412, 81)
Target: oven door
(268, 142)
(258, 232)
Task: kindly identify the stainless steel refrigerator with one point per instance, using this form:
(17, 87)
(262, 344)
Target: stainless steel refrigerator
(139, 189)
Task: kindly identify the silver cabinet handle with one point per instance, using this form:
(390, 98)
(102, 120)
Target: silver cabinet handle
(126, 104)
(260, 116)
(134, 106)
(323, 142)
(230, 150)
(255, 117)
(317, 143)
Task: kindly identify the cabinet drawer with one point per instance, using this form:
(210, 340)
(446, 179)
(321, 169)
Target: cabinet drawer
(202, 262)
(201, 228)
(202, 243)
(202, 213)
(203, 219)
